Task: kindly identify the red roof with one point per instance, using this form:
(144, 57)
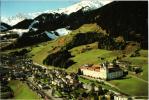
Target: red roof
(93, 67)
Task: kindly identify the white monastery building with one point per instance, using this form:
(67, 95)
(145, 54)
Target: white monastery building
(102, 71)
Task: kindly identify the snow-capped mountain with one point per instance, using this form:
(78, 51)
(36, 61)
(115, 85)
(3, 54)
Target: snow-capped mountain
(12, 20)
(85, 4)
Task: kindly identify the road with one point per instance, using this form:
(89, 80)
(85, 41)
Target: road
(38, 90)
(113, 86)
(139, 78)
(107, 83)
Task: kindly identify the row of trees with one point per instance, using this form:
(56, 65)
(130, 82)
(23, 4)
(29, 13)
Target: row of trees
(109, 43)
(59, 59)
(135, 69)
(104, 41)
(20, 53)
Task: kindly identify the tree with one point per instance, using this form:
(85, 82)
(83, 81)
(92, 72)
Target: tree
(53, 91)
(84, 94)
(100, 91)
(114, 62)
(79, 71)
(130, 68)
(92, 91)
(137, 69)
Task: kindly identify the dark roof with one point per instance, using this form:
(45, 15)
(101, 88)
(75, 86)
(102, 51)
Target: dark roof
(114, 69)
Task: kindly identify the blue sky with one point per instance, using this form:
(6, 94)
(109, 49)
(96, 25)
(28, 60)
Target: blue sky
(13, 7)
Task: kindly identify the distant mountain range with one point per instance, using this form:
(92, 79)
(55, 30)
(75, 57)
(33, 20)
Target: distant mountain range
(36, 22)
(86, 4)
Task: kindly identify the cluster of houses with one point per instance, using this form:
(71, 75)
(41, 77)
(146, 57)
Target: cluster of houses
(59, 84)
(106, 71)
(56, 83)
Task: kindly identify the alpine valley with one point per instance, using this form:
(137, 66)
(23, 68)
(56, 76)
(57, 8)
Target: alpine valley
(84, 34)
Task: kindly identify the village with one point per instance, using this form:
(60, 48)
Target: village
(57, 84)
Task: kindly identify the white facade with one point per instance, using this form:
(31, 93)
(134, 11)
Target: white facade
(102, 73)
(96, 74)
(120, 98)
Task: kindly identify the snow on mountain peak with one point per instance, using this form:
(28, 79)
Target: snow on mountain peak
(87, 4)
(12, 20)
(83, 4)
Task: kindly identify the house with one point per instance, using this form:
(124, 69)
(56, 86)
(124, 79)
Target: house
(87, 86)
(124, 64)
(68, 77)
(102, 71)
(120, 97)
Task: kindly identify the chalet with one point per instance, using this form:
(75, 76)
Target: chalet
(102, 71)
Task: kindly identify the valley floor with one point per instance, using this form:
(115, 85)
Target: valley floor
(133, 84)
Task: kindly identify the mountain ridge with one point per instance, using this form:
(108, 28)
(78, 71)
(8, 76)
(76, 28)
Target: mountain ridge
(13, 20)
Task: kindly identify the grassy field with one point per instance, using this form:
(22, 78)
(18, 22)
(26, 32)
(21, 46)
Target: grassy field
(131, 86)
(41, 52)
(22, 91)
(141, 61)
(41, 55)
(91, 57)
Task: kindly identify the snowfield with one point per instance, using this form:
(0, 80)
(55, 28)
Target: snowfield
(51, 35)
(62, 31)
(19, 31)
